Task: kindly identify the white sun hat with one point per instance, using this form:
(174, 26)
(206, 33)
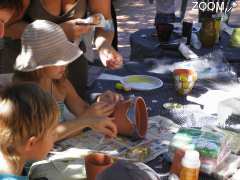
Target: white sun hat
(45, 44)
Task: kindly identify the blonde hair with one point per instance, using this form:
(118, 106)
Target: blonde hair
(25, 111)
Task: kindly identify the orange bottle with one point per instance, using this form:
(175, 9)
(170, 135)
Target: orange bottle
(190, 165)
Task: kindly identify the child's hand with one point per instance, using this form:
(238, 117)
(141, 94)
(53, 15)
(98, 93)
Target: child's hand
(104, 125)
(100, 109)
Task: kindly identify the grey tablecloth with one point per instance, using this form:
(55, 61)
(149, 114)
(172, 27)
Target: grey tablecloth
(144, 44)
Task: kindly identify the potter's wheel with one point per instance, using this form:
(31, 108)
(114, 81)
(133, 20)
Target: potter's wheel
(141, 82)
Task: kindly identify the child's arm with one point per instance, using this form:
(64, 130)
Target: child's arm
(75, 104)
(102, 125)
(94, 117)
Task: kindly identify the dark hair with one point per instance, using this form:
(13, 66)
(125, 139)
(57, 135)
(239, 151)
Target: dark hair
(12, 4)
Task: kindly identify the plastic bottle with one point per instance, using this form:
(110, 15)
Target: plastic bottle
(195, 42)
(190, 166)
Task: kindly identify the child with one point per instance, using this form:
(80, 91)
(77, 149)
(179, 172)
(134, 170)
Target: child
(45, 54)
(28, 119)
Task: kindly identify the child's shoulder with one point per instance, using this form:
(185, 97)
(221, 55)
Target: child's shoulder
(63, 86)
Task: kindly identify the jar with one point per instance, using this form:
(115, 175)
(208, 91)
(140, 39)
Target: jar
(210, 31)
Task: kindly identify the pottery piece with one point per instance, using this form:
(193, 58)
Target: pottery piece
(184, 80)
(95, 163)
(131, 117)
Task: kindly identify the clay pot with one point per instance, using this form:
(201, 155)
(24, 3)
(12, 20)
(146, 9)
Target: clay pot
(131, 117)
(95, 163)
(164, 31)
(184, 80)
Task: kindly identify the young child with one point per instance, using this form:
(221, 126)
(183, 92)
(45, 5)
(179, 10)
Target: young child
(28, 119)
(45, 54)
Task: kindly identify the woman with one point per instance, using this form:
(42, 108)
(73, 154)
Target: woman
(67, 13)
(7, 9)
(43, 59)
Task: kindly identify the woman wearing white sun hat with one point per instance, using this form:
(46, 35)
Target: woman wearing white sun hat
(44, 56)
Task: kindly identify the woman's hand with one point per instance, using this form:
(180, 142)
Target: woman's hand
(102, 109)
(74, 30)
(110, 57)
(104, 125)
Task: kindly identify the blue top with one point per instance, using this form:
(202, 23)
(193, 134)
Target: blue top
(12, 177)
(62, 107)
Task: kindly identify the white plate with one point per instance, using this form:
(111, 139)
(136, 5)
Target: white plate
(141, 82)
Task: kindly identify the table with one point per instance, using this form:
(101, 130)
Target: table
(145, 45)
(155, 98)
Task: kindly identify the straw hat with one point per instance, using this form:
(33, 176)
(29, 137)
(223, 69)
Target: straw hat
(45, 44)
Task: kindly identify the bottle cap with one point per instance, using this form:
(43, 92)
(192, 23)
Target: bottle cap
(191, 159)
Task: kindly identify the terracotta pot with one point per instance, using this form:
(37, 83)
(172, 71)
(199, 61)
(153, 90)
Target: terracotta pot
(184, 80)
(131, 117)
(164, 31)
(95, 163)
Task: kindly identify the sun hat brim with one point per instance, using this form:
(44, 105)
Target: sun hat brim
(68, 53)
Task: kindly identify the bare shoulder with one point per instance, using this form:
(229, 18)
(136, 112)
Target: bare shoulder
(64, 85)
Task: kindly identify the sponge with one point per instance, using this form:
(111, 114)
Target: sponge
(235, 38)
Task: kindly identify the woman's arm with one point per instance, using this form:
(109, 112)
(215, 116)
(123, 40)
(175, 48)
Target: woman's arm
(103, 38)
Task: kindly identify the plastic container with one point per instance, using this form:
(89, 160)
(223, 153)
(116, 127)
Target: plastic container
(190, 166)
